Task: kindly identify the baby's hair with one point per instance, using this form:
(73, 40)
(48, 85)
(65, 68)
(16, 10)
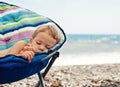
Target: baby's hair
(50, 29)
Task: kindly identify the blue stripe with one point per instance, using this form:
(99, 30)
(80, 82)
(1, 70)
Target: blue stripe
(16, 15)
(2, 4)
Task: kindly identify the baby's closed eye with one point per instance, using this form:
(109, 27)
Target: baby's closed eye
(38, 42)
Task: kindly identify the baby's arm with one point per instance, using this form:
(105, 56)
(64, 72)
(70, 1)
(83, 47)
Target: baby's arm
(17, 48)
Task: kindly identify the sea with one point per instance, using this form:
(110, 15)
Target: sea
(85, 49)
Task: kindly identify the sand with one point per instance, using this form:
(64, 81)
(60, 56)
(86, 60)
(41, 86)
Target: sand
(102, 75)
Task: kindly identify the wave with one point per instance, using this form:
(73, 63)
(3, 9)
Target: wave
(77, 44)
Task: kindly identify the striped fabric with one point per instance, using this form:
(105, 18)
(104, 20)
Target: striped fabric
(17, 23)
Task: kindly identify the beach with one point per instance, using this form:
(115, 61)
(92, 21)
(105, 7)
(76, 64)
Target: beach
(95, 75)
(88, 59)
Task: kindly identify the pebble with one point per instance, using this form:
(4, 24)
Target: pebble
(105, 75)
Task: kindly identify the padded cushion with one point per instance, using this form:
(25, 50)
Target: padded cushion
(16, 24)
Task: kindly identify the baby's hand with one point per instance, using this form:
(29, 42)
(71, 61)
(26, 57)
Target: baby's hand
(29, 48)
(28, 55)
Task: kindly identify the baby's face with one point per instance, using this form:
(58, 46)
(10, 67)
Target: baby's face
(42, 42)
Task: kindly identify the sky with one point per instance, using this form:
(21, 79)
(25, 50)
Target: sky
(78, 16)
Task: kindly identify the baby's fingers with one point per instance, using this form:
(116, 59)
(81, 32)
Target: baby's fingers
(33, 49)
(30, 55)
